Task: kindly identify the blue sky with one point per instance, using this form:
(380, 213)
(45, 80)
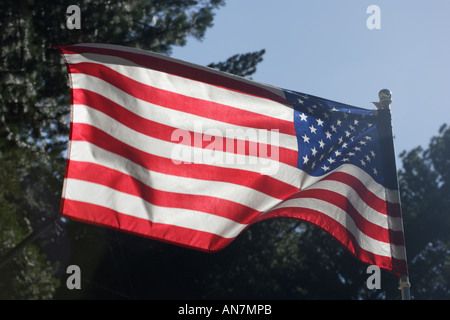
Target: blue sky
(324, 48)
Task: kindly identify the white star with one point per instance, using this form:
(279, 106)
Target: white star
(310, 110)
(314, 151)
(334, 109)
(347, 133)
(325, 168)
(372, 153)
(357, 148)
(333, 128)
(362, 142)
(367, 157)
(313, 165)
(331, 160)
(313, 130)
(368, 138)
(355, 122)
(319, 122)
(363, 163)
(305, 159)
(375, 171)
(328, 135)
(345, 159)
(303, 116)
(351, 153)
(321, 144)
(344, 145)
(300, 100)
(305, 138)
(339, 122)
(340, 140)
(352, 127)
(326, 115)
(337, 153)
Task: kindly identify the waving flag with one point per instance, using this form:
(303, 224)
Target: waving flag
(189, 155)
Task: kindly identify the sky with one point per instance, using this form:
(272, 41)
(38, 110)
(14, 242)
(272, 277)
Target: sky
(325, 48)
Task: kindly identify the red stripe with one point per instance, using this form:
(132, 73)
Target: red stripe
(370, 229)
(341, 234)
(165, 132)
(205, 241)
(171, 100)
(182, 70)
(262, 183)
(368, 196)
(127, 184)
(106, 217)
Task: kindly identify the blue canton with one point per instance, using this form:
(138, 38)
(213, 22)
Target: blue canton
(330, 134)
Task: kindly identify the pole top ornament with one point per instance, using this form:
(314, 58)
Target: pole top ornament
(385, 96)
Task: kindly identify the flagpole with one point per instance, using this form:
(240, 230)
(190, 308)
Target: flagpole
(385, 100)
(404, 286)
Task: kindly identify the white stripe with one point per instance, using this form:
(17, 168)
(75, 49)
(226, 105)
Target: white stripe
(366, 212)
(166, 116)
(135, 206)
(141, 52)
(365, 242)
(87, 152)
(188, 87)
(377, 189)
(182, 153)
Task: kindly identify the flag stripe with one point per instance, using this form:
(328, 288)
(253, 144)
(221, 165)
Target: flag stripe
(132, 205)
(205, 241)
(343, 235)
(376, 215)
(174, 118)
(191, 219)
(344, 203)
(179, 152)
(234, 178)
(99, 215)
(188, 87)
(171, 100)
(128, 184)
(185, 70)
(337, 218)
(168, 133)
(375, 202)
(89, 153)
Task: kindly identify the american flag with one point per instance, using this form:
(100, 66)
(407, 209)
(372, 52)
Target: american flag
(182, 153)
